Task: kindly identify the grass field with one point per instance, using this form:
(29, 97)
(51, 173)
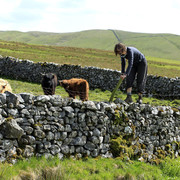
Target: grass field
(84, 57)
(89, 169)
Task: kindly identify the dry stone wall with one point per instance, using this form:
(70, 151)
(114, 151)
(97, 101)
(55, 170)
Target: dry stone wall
(105, 79)
(51, 125)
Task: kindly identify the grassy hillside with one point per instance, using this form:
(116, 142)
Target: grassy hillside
(83, 57)
(155, 45)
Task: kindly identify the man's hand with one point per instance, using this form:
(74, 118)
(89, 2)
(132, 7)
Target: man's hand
(123, 76)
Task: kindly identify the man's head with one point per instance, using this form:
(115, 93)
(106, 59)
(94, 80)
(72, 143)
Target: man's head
(120, 49)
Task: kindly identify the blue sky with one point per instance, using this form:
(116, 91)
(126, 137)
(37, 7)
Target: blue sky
(152, 16)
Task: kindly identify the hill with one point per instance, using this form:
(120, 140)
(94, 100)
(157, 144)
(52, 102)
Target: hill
(155, 45)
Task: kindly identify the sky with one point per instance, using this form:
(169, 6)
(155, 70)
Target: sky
(62, 16)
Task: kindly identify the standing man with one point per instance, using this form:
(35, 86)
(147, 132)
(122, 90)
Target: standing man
(137, 66)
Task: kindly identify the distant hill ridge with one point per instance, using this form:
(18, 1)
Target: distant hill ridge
(155, 45)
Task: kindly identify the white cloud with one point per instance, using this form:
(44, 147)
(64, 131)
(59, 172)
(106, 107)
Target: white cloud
(7, 6)
(155, 16)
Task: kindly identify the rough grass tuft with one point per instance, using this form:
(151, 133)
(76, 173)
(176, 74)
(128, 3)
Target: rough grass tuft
(100, 168)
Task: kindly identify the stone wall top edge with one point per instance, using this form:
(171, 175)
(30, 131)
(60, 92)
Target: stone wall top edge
(78, 66)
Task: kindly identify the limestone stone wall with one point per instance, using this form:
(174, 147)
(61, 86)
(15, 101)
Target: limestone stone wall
(51, 125)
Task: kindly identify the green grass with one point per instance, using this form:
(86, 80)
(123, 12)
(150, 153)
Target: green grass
(90, 168)
(171, 167)
(84, 57)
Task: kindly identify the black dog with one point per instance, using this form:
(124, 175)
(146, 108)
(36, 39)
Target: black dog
(49, 83)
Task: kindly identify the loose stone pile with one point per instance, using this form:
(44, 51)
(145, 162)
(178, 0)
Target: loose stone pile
(51, 125)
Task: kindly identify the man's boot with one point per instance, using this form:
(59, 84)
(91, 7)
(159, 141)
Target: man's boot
(139, 99)
(128, 99)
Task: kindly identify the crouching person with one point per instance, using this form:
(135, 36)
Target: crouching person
(137, 66)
